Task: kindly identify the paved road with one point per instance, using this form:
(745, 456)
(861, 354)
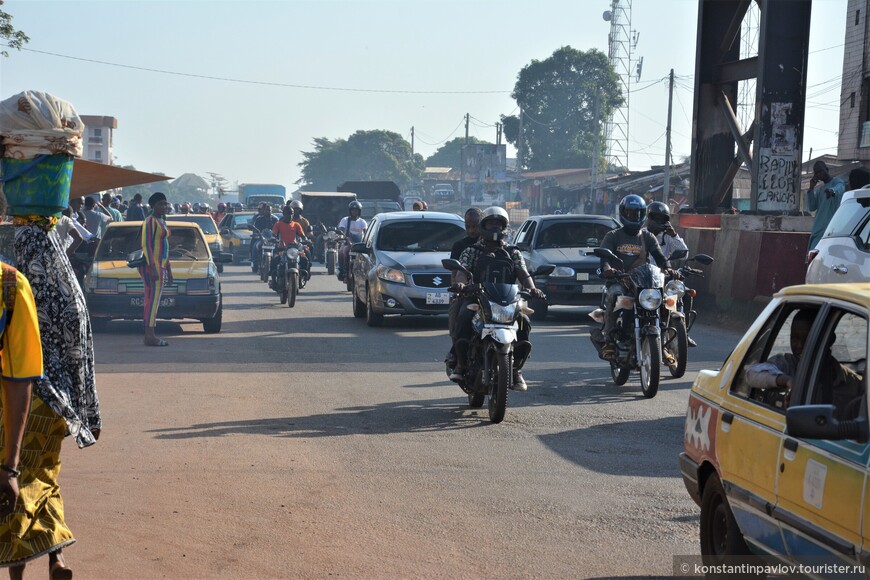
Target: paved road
(301, 443)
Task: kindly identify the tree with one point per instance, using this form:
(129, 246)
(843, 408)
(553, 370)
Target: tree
(364, 156)
(450, 154)
(557, 99)
(14, 38)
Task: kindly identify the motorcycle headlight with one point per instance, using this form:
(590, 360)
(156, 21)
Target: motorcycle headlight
(503, 314)
(292, 253)
(390, 275)
(651, 298)
(562, 272)
(676, 287)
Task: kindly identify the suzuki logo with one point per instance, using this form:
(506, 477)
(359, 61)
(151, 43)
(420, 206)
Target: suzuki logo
(437, 280)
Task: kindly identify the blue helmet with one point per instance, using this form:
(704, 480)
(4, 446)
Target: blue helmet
(632, 213)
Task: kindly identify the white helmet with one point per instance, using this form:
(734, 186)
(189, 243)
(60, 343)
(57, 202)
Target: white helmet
(296, 204)
(492, 214)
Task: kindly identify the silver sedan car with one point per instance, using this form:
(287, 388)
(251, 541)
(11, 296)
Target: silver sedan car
(397, 269)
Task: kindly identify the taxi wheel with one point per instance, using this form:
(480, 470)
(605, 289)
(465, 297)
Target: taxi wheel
(220, 268)
(213, 325)
(720, 535)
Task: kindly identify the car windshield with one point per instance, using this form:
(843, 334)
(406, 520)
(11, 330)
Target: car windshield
(419, 236)
(184, 244)
(241, 222)
(569, 234)
(205, 223)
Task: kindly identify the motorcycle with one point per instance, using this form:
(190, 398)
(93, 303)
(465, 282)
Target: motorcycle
(494, 345)
(330, 249)
(637, 333)
(286, 282)
(256, 248)
(267, 250)
(676, 322)
(305, 253)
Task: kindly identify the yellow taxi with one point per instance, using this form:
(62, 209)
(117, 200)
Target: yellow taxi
(776, 441)
(209, 230)
(235, 230)
(115, 291)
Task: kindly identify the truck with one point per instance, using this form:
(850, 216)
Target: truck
(375, 196)
(253, 194)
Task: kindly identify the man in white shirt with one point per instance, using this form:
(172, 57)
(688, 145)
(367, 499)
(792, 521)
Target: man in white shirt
(353, 226)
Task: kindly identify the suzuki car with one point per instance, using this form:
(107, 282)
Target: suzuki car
(776, 441)
(115, 291)
(566, 241)
(396, 269)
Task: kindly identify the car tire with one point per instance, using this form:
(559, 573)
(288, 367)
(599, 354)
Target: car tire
(359, 307)
(220, 268)
(213, 325)
(720, 534)
(540, 307)
(236, 259)
(372, 318)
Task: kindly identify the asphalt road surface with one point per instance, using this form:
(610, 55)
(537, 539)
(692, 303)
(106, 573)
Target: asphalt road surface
(302, 443)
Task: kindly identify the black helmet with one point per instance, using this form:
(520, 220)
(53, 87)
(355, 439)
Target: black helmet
(354, 205)
(658, 216)
(489, 215)
(632, 212)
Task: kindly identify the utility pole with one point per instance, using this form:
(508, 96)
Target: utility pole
(462, 160)
(666, 189)
(520, 144)
(593, 182)
(498, 133)
(412, 142)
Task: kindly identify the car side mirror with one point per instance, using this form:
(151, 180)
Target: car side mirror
(524, 247)
(703, 259)
(679, 254)
(223, 258)
(820, 422)
(225, 231)
(544, 270)
(592, 242)
(360, 248)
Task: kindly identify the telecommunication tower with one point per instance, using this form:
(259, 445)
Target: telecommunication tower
(622, 41)
(748, 49)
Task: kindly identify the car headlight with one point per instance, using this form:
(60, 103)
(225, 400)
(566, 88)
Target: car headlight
(390, 274)
(503, 314)
(676, 287)
(563, 272)
(651, 298)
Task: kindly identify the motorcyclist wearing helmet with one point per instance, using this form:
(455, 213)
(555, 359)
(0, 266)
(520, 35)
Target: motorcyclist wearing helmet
(220, 214)
(658, 222)
(633, 246)
(185, 208)
(353, 227)
(264, 221)
(420, 205)
(493, 228)
(297, 208)
(288, 233)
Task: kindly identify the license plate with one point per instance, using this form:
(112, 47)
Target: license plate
(592, 288)
(582, 276)
(437, 298)
(140, 301)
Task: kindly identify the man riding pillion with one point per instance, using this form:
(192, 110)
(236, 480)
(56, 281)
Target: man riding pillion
(353, 227)
(633, 246)
(287, 231)
(264, 221)
(658, 223)
(475, 259)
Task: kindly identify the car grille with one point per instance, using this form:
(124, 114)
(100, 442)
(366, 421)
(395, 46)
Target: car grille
(440, 280)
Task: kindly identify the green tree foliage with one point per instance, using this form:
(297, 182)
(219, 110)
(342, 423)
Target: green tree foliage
(364, 156)
(450, 154)
(14, 38)
(557, 98)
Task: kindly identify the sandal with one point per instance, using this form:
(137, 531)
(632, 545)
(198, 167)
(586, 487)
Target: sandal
(58, 571)
(160, 342)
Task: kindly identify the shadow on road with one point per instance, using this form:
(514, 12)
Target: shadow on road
(395, 417)
(623, 448)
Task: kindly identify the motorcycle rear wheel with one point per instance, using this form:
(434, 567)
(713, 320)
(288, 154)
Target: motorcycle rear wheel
(619, 374)
(498, 390)
(293, 289)
(650, 365)
(678, 345)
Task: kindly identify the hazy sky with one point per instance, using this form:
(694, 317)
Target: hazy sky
(253, 131)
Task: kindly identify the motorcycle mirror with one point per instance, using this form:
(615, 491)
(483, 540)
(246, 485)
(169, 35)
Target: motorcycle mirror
(606, 254)
(451, 264)
(704, 259)
(679, 254)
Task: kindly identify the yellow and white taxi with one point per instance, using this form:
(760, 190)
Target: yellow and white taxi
(776, 441)
(115, 291)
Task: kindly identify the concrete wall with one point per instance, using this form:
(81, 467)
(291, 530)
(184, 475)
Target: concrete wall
(755, 257)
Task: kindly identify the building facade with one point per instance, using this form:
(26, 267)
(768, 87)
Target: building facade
(97, 138)
(854, 139)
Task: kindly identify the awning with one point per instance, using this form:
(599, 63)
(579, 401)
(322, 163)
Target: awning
(89, 177)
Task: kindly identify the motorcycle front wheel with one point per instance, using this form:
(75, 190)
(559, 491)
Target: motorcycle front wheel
(293, 289)
(677, 344)
(499, 385)
(650, 365)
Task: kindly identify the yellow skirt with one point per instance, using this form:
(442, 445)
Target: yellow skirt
(36, 527)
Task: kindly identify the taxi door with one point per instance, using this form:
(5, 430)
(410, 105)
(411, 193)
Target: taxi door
(821, 484)
(749, 436)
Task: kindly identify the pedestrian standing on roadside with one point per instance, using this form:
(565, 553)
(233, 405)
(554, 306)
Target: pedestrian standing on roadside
(111, 207)
(823, 198)
(157, 271)
(135, 212)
